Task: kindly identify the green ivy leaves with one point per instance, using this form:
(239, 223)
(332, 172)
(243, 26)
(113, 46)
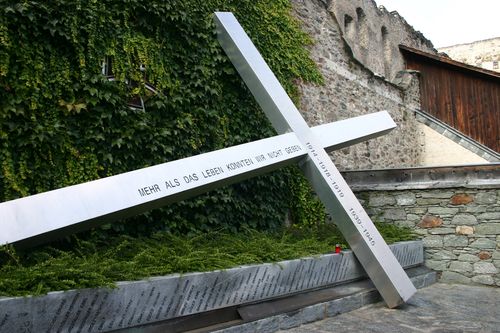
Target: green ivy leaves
(63, 122)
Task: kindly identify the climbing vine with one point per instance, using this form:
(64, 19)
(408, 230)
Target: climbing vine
(63, 120)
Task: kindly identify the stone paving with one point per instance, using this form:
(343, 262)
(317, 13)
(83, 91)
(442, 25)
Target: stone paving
(439, 308)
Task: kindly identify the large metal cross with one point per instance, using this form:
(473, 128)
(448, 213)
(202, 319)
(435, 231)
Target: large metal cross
(366, 242)
(46, 216)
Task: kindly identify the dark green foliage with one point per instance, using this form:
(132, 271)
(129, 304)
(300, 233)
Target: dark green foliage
(92, 263)
(62, 122)
(305, 207)
(393, 233)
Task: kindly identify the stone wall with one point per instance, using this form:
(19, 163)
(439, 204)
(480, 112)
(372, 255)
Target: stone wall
(351, 89)
(374, 35)
(483, 53)
(459, 224)
(460, 227)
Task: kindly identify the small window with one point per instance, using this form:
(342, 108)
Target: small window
(360, 13)
(495, 64)
(386, 47)
(347, 21)
(107, 67)
(384, 32)
(136, 101)
(362, 27)
(349, 26)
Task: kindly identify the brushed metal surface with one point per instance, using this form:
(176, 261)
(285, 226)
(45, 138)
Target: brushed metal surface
(32, 220)
(365, 240)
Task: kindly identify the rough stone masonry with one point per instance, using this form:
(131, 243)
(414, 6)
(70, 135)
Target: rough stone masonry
(460, 228)
(351, 88)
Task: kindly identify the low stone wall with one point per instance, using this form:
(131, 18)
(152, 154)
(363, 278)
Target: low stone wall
(458, 220)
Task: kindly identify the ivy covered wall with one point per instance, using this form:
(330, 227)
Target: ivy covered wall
(65, 120)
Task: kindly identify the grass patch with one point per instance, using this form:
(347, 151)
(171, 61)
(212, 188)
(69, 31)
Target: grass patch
(95, 263)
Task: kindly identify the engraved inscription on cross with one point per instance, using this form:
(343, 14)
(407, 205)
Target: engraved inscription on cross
(38, 218)
(366, 242)
(42, 217)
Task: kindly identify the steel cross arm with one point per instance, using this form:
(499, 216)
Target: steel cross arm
(366, 242)
(38, 218)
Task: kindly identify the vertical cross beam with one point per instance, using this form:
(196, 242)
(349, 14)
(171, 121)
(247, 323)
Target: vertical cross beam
(366, 242)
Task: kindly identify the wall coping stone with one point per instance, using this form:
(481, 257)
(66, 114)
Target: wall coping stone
(465, 176)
